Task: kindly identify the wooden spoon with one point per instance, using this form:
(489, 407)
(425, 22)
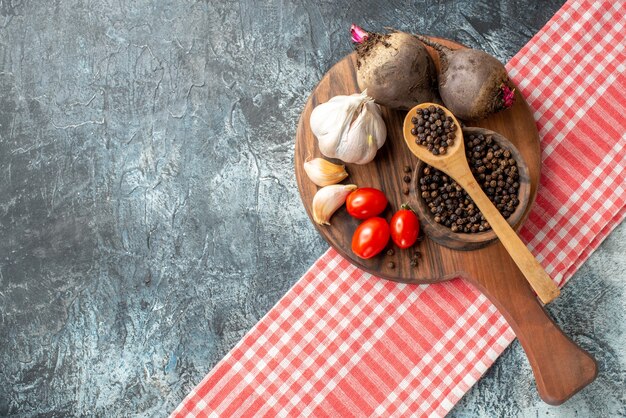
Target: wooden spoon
(454, 164)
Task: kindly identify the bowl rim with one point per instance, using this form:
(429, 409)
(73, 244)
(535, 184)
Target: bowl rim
(470, 241)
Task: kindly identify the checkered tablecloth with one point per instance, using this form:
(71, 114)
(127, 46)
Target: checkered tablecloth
(344, 343)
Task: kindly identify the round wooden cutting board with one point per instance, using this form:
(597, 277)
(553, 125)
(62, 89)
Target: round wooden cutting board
(560, 367)
(437, 263)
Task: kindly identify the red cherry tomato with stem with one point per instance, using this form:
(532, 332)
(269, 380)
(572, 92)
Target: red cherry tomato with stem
(366, 202)
(405, 227)
(370, 237)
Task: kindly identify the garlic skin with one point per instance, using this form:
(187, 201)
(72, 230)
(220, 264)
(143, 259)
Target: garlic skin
(328, 199)
(349, 128)
(323, 172)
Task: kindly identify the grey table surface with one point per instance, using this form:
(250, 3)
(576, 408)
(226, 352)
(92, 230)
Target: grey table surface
(149, 215)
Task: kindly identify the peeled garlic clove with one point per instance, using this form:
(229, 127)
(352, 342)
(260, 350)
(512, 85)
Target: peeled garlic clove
(328, 199)
(323, 172)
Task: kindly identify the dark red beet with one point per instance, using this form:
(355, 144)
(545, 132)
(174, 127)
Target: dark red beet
(395, 68)
(472, 83)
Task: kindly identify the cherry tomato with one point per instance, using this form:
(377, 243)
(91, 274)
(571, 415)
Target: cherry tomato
(405, 227)
(366, 202)
(370, 237)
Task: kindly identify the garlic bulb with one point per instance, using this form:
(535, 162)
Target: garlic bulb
(350, 128)
(323, 172)
(328, 199)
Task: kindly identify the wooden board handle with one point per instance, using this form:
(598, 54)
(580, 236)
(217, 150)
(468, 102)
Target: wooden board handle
(560, 367)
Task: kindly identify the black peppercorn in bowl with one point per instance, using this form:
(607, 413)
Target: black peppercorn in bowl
(448, 216)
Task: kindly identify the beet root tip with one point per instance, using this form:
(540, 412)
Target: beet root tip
(358, 34)
(508, 96)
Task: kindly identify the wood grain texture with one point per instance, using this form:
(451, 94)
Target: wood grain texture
(560, 367)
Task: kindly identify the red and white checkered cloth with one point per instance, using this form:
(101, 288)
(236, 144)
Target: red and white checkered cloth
(344, 343)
